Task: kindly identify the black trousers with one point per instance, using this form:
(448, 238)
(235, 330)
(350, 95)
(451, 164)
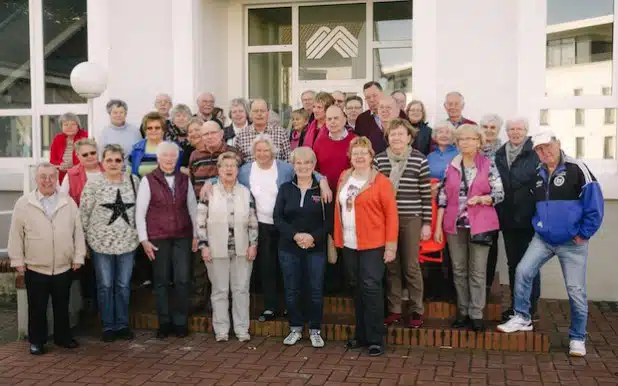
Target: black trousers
(39, 288)
(369, 297)
(173, 258)
(492, 261)
(268, 262)
(516, 243)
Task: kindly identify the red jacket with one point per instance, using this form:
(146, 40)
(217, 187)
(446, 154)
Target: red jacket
(77, 180)
(59, 144)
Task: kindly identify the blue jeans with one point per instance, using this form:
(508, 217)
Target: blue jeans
(303, 279)
(113, 273)
(572, 259)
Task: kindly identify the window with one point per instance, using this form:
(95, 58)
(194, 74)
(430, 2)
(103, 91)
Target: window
(580, 117)
(272, 72)
(578, 92)
(16, 136)
(544, 120)
(270, 26)
(579, 147)
(610, 116)
(393, 69)
(392, 21)
(608, 148)
(15, 77)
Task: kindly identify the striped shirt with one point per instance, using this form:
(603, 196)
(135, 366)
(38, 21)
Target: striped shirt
(414, 193)
(203, 165)
(67, 156)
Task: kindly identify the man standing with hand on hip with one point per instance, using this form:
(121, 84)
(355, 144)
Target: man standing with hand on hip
(46, 242)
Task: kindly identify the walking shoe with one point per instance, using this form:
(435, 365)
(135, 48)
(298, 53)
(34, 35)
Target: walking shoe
(516, 323)
(477, 325)
(181, 331)
(354, 344)
(267, 316)
(108, 336)
(125, 334)
(292, 338)
(221, 338)
(461, 322)
(393, 317)
(243, 337)
(163, 331)
(316, 339)
(506, 315)
(376, 350)
(415, 321)
(577, 348)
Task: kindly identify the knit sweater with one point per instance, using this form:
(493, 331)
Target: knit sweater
(108, 215)
(332, 157)
(414, 193)
(125, 136)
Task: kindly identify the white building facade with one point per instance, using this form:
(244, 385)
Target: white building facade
(550, 61)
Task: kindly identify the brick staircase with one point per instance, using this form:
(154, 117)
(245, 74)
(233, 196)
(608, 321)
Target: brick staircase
(338, 325)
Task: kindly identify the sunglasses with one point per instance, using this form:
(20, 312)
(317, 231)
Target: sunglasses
(90, 153)
(114, 160)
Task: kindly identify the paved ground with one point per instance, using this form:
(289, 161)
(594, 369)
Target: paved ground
(198, 359)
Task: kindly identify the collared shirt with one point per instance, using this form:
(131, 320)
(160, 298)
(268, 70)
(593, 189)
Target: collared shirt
(377, 119)
(49, 203)
(342, 137)
(277, 134)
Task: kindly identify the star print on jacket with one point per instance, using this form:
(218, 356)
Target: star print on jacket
(119, 209)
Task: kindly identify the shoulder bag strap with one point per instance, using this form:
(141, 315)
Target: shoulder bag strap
(133, 185)
(463, 176)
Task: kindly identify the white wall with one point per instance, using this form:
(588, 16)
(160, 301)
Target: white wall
(214, 60)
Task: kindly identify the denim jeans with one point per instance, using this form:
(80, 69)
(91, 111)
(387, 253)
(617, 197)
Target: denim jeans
(113, 275)
(303, 280)
(516, 243)
(572, 259)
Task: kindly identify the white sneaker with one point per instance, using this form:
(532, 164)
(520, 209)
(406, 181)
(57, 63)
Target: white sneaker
(577, 348)
(243, 337)
(516, 323)
(292, 338)
(221, 338)
(316, 339)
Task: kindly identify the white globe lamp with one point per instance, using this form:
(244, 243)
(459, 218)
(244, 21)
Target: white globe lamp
(89, 80)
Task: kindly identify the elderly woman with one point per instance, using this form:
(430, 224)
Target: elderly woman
(317, 127)
(62, 150)
(366, 227)
(194, 136)
(443, 135)
(491, 124)
(239, 114)
(466, 213)
(407, 169)
(517, 163)
(165, 214)
(108, 215)
(177, 130)
(303, 222)
(119, 131)
(415, 111)
(143, 157)
(228, 236)
(88, 168)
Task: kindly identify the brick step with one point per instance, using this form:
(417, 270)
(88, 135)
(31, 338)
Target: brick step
(435, 333)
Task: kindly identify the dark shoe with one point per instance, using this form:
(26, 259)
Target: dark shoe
(376, 350)
(125, 334)
(461, 322)
(71, 344)
(37, 349)
(181, 331)
(415, 321)
(392, 318)
(267, 316)
(108, 336)
(354, 344)
(477, 325)
(163, 331)
(506, 315)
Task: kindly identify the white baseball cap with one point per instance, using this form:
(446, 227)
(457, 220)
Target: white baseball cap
(542, 138)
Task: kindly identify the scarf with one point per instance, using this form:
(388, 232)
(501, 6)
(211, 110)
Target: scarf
(490, 150)
(398, 165)
(513, 151)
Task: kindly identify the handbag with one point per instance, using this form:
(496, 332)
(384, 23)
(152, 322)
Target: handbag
(483, 238)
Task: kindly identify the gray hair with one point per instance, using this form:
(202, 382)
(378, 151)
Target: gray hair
(181, 108)
(306, 92)
(443, 125)
(113, 148)
(166, 146)
(164, 95)
(85, 142)
(303, 152)
(69, 117)
(44, 165)
(512, 121)
(239, 102)
(264, 138)
(492, 118)
(456, 93)
(116, 103)
(259, 100)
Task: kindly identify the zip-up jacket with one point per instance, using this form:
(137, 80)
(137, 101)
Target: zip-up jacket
(569, 202)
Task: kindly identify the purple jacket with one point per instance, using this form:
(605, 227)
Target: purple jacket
(483, 218)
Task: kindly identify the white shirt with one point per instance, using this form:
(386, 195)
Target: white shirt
(48, 203)
(90, 176)
(264, 189)
(348, 217)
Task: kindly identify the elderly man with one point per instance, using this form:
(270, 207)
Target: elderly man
(400, 98)
(163, 104)
(205, 105)
(569, 211)
(454, 104)
(369, 124)
(260, 125)
(339, 98)
(46, 242)
(307, 98)
(165, 216)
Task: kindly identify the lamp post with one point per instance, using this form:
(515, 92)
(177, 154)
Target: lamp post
(89, 80)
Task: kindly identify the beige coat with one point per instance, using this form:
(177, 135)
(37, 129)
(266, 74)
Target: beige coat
(46, 245)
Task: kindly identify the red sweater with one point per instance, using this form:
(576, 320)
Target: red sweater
(332, 157)
(56, 150)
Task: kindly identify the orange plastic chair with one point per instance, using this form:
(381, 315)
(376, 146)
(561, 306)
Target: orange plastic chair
(429, 250)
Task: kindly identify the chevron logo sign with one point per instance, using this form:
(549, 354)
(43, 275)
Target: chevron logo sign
(338, 38)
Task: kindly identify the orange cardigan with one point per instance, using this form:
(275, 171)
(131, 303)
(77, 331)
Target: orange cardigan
(377, 220)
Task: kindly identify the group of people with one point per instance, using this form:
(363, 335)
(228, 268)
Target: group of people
(362, 190)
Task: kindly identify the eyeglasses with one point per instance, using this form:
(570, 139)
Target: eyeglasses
(339, 101)
(489, 127)
(360, 153)
(113, 160)
(228, 166)
(153, 128)
(90, 153)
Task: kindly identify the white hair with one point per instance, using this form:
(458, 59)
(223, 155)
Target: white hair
(492, 118)
(166, 146)
(443, 125)
(512, 121)
(456, 93)
(44, 165)
(164, 95)
(264, 138)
